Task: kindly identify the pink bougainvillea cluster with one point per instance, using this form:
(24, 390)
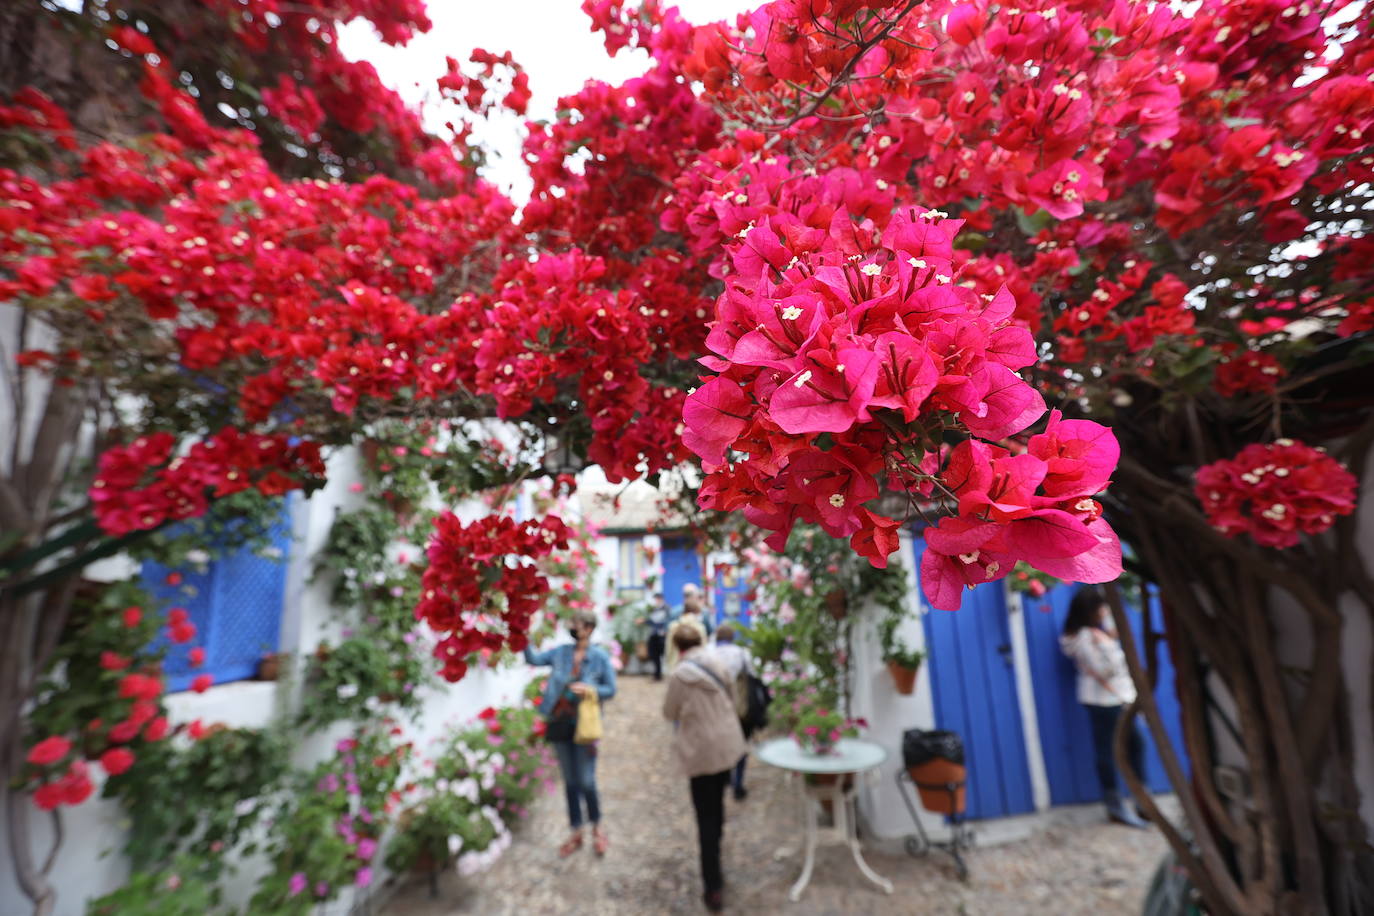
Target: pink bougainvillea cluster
(1275, 492)
(845, 361)
(477, 592)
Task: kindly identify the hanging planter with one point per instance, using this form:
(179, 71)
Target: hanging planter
(371, 451)
(837, 603)
(903, 677)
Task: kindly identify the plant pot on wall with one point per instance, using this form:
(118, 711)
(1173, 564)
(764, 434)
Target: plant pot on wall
(903, 678)
(269, 667)
(837, 603)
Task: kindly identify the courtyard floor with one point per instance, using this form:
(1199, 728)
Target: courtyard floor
(1077, 864)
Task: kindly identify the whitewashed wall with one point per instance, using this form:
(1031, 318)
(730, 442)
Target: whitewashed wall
(889, 713)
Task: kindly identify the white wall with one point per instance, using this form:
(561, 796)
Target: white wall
(889, 713)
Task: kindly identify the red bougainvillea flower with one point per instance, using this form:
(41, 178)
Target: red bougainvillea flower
(1275, 492)
(1251, 371)
(480, 589)
(49, 751)
(132, 616)
(196, 657)
(117, 760)
(202, 682)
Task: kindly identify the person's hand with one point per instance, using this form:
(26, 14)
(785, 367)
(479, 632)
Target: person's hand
(582, 689)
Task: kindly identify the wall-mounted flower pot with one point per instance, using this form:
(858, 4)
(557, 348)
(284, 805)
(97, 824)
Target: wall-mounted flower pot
(269, 667)
(837, 603)
(903, 678)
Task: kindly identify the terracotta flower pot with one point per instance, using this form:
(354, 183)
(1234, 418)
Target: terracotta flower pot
(371, 451)
(903, 678)
(837, 603)
(269, 667)
(933, 779)
(829, 779)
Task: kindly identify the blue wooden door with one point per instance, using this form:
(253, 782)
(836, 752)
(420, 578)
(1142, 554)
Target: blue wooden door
(681, 565)
(974, 689)
(1065, 734)
(731, 594)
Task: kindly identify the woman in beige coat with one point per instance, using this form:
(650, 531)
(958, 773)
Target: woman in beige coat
(707, 745)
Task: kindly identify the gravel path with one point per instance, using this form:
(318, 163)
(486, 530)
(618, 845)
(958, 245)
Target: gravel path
(1076, 865)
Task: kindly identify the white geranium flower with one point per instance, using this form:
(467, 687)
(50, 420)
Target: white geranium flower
(346, 691)
(455, 845)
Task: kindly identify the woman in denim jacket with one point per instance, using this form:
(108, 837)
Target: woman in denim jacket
(579, 670)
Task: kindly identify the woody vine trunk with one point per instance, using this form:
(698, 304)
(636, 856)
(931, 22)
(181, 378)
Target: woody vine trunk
(1287, 837)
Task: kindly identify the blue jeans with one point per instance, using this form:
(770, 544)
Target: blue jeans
(578, 764)
(1103, 719)
(737, 775)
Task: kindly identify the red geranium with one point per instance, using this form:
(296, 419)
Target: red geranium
(116, 760)
(49, 751)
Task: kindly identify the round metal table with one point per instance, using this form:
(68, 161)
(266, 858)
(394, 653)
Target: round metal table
(851, 756)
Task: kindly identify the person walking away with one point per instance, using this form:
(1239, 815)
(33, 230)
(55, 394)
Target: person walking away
(690, 619)
(735, 660)
(707, 743)
(657, 619)
(1104, 689)
(579, 670)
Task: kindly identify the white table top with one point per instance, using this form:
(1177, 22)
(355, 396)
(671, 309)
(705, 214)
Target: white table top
(851, 755)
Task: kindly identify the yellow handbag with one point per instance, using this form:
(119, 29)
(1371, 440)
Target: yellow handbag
(588, 720)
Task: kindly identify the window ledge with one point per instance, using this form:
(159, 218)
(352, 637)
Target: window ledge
(238, 704)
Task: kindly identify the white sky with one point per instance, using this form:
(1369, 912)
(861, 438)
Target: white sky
(551, 39)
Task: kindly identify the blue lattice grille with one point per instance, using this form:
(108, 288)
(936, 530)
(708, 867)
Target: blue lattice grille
(236, 605)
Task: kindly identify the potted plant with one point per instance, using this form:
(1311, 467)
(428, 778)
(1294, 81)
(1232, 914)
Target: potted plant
(903, 662)
(269, 666)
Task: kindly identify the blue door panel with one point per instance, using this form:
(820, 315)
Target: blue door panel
(1065, 733)
(974, 692)
(680, 566)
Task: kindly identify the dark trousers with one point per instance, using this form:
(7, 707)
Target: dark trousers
(657, 642)
(737, 775)
(708, 798)
(578, 764)
(1104, 719)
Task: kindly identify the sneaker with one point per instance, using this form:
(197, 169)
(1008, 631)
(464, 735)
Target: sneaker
(714, 900)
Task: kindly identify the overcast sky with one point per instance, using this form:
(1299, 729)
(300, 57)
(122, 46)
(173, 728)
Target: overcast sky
(551, 39)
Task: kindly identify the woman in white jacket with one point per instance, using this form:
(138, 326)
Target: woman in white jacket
(1104, 688)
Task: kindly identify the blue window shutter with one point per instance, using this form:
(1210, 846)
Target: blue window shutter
(236, 605)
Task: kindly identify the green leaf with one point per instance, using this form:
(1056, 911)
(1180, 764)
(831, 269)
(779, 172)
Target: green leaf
(1032, 223)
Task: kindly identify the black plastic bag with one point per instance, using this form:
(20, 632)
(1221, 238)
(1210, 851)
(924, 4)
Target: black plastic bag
(919, 746)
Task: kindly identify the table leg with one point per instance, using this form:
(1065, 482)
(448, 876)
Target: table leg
(852, 838)
(809, 809)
